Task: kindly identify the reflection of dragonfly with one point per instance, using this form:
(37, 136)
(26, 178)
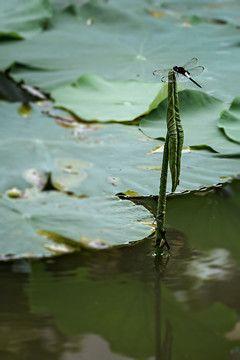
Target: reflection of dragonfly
(182, 72)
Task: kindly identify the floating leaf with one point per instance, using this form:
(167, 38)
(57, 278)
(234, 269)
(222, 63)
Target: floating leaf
(230, 120)
(199, 114)
(43, 224)
(110, 159)
(119, 101)
(71, 48)
(23, 19)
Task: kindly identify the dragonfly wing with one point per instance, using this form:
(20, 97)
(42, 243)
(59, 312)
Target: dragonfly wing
(179, 77)
(164, 79)
(190, 64)
(161, 72)
(196, 70)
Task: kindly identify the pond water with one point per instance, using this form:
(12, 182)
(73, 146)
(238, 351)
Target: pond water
(125, 303)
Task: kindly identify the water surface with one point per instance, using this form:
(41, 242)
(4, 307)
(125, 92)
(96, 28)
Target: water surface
(125, 303)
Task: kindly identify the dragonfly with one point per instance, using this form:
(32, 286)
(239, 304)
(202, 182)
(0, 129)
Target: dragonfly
(182, 72)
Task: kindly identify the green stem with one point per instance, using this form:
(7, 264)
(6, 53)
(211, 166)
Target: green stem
(171, 155)
(161, 208)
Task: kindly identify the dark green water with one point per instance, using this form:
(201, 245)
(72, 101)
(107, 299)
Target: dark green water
(124, 303)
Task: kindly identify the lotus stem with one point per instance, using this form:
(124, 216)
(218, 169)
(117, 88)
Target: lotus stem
(172, 156)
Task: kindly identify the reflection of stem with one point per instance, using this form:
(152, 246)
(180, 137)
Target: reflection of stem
(158, 313)
(162, 351)
(168, 340)
(161, 208)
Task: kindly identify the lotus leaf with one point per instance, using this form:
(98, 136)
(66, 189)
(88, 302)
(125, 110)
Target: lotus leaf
(43, 224)
(109, 159)
(109, 40)
(119, 101)
(199, 115)
(23, 19)
(230, 120)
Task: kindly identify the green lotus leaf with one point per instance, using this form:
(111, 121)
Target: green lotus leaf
(43, 224)
(23, 19)
(94, 160)
(60, 5)
(119, 101)
(217, 14)
(109, 40)
(230, 120)
(199, 114)
(25, 158)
